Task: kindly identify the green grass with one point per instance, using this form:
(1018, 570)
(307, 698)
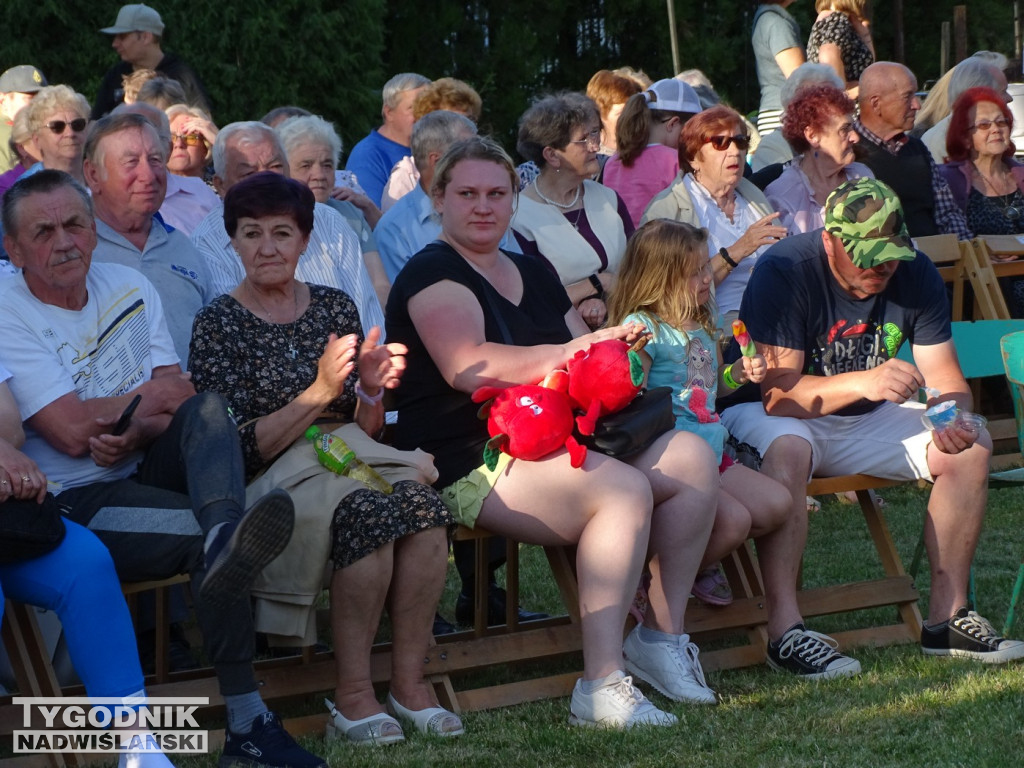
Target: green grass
(903, 710)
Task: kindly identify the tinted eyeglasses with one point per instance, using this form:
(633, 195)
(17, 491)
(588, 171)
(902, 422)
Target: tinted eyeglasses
(987, 125)
(58, 126)
(190, 139)
(721, 143)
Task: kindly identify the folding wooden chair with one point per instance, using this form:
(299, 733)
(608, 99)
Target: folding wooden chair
(982, 274)
(947, 256)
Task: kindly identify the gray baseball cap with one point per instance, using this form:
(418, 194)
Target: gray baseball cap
(23, 78)
(136, 18)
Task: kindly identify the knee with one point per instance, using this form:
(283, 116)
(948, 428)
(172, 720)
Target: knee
(626, 490)
(788, 460)
(732, 522)
(208, 408)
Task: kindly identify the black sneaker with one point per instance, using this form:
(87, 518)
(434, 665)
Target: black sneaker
(267, 745)
(241, 550)
(810, 655)
(969, 636)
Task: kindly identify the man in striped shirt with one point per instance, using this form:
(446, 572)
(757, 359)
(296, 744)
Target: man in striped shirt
(333, 256)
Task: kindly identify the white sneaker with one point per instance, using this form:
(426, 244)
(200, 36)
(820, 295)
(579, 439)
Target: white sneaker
(672, 668)
(615, 705)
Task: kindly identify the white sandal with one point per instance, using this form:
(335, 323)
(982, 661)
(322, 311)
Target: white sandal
(372, 731)
(433, 720)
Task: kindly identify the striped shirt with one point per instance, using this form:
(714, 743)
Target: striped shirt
(332, 258)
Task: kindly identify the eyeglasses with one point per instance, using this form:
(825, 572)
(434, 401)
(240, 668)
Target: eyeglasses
(190, 139)
(58, 126)
(591, 141)
(986, 125)
(721, 143)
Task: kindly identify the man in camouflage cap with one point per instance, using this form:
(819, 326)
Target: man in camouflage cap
(829, 309)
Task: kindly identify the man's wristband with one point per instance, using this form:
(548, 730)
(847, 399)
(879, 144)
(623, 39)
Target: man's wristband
(728, 380)
(596, 282)
(368, 399)
(727, 258)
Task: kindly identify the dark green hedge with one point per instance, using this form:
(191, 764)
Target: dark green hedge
(333, 56)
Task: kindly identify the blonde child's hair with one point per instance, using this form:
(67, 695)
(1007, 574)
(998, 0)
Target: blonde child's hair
(660, 258)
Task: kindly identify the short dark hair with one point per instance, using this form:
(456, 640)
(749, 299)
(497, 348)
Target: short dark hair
(551, 122)
(269, 194)
(47, 180)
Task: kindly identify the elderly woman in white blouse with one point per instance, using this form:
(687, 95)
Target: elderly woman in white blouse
(710, 192)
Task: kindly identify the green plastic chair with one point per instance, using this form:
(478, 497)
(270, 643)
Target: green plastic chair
(978, 348)
(1012, 348)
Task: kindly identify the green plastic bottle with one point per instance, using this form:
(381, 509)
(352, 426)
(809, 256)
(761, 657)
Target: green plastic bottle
(334, 453)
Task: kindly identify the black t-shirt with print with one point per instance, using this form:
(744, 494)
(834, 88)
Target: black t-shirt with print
(794, 301)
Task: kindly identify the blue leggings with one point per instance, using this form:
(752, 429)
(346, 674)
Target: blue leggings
(78, 582)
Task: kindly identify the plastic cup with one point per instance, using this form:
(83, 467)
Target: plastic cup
(940, 416)
(972, 422)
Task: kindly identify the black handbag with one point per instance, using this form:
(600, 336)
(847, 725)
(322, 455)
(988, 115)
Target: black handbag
(633, 428)
(29, 530)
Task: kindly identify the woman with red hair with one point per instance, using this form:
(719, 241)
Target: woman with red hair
(986, 181)
(818, 124)
(710, 192)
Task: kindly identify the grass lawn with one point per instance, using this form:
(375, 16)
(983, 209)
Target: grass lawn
(903, 710)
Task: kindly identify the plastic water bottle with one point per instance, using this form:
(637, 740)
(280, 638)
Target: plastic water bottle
(334, 453)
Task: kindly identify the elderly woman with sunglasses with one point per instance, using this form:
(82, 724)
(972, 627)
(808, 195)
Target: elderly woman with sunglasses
(192, 136)
(576, 226)
(710, 192)
(58, 117)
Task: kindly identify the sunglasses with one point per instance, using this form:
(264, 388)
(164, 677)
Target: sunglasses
(190, 139)
(77, 125)
(721, 143)
(987, 125)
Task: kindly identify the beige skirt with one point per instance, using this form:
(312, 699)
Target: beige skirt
(286, 590)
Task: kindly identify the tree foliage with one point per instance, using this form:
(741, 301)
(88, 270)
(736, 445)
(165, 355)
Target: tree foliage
(333, 56)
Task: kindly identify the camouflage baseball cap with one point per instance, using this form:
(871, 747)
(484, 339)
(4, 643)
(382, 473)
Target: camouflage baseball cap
(867, 216)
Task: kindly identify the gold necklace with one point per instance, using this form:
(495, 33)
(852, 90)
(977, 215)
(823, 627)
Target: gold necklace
(1010, 212)
(293, 352)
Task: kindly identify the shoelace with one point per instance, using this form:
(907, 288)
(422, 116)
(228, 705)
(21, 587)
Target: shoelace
(626, 692)
(690, 650)
(686, 655)
(978, 627)
(812, 647)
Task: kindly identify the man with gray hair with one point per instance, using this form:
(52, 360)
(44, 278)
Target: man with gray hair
(372, 159)
(332, 257)
(888, 103)
(411, 223)
(983, 69)
(125, 169)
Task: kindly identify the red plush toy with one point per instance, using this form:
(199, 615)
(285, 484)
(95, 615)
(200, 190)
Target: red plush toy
(529, 421)
(605, 379)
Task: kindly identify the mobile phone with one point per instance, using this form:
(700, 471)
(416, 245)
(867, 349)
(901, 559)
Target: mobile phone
(126, 416)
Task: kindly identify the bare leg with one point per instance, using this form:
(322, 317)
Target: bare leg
(604, 507)
(357, 598)
(956, 510)
(731, 528)
(419, 571)
(787, 460)
(683, 475)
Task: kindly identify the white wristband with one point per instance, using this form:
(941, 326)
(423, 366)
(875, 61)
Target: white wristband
(361, 394)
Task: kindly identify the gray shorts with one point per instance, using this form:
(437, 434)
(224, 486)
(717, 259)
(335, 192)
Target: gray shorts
(889, 441)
